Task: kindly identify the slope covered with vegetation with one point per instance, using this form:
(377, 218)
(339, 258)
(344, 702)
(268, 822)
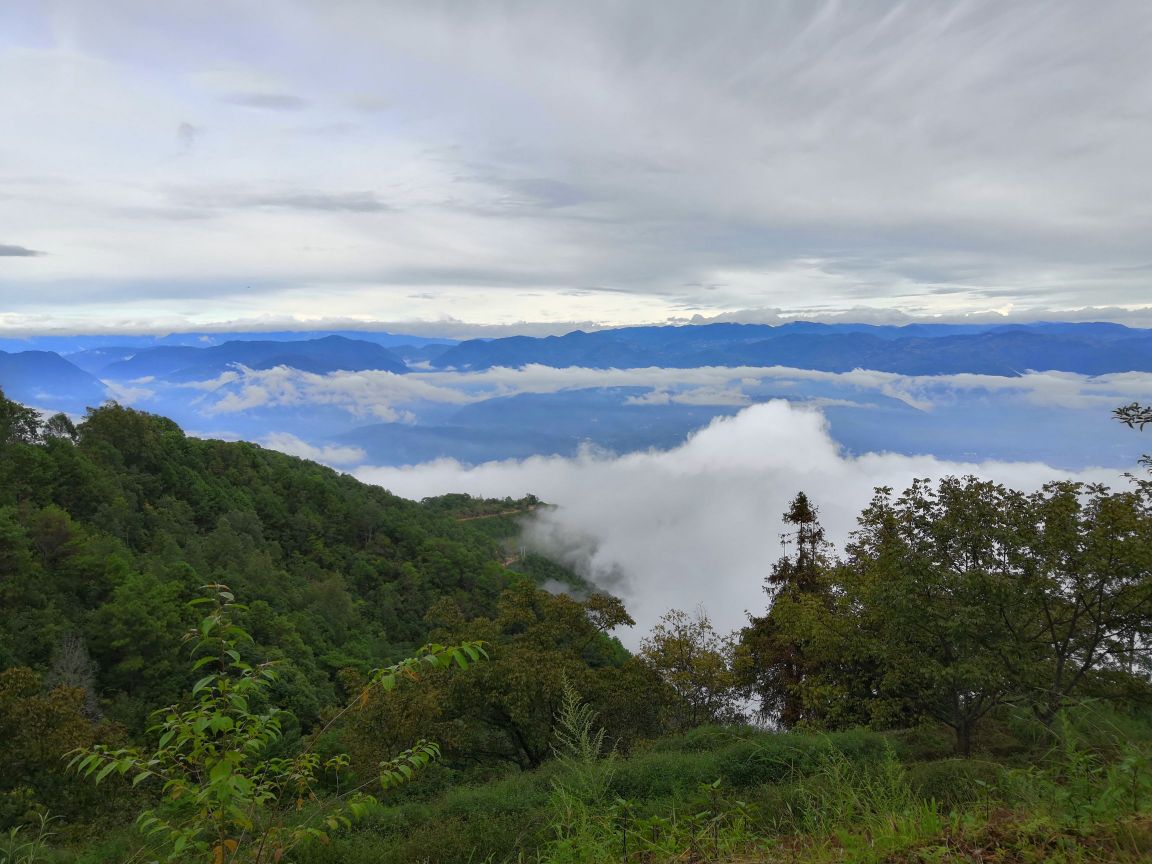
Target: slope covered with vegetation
(108, 530)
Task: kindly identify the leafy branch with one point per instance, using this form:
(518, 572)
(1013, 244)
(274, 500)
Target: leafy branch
(225, 799)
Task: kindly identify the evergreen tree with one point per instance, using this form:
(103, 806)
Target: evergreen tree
(771, 661)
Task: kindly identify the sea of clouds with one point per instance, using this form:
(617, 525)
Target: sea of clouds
(698, 526)
(378, 395)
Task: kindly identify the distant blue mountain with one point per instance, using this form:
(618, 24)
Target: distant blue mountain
(919, 349)
(68, 345)
(182, 363)
(93, 360)
(1087, 348)
(46, 380)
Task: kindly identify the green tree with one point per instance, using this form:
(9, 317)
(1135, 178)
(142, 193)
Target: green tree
(505, 709)
(1081, 607)
(771, 661)
(926, 570)
(37, 727)
(227, 795)
(696, 663)
(18, 424)
(959, 597)
(1136, 416)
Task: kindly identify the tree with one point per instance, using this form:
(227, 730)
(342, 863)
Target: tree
(37, 726)
(18, 424)
(697, 665)
(771, 661)
(1136, 416)
(1084, 594)
(505, 710)
(963, 596)
(228, 796)
(927, 572)
(60, 426)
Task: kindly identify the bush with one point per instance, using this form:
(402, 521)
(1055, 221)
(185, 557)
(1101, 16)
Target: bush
(778, 758)
(663, 775)
(924, 743)
(955, 783)
(707, 739)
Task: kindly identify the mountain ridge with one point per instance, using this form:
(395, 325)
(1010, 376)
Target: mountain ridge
(1008, 350)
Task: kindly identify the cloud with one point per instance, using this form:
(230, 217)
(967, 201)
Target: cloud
(11, 251)
(1138, 315)
(370, 395)
(378, 395)
(187, 134)
(697, 525)
(336, 202)
(920, 158)
(288, 443)
(267, 101)
(130, 392)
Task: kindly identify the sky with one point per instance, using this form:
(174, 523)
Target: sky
(520, 165)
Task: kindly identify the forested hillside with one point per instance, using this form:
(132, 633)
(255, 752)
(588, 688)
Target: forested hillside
(109, 528)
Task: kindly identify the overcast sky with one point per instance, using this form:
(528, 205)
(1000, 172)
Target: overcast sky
(181, 163)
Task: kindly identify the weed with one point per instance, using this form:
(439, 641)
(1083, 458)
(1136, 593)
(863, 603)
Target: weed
(19, 847)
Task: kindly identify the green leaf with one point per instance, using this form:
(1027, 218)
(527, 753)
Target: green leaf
(221, 771)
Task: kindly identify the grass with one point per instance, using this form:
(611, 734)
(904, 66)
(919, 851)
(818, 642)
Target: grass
(742, 795)
(29, 844)
(1076, 794)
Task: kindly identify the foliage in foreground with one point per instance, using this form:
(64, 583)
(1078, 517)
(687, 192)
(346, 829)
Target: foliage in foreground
(227, 794)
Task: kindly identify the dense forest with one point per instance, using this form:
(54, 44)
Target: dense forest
(214, 652)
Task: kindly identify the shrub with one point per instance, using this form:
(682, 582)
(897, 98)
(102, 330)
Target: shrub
(663, 775)
(955, 783)
(228, 793)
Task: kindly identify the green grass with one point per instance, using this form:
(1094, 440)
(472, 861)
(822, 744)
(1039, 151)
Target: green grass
(1079, 793)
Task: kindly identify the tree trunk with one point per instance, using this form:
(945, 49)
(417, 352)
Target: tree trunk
(964, 739)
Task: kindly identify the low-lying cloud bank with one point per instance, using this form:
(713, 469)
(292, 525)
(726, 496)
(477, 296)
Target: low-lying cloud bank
(698, 525)
(378, 395)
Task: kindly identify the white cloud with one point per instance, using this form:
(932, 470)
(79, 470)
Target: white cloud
(130, 392)
(371, 395)
(288, 443)
(699, 524)
(573, 161)
(378, 395)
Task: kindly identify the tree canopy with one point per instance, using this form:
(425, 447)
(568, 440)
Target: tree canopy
(957, 597)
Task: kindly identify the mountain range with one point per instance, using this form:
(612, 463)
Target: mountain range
(479, 418)
(179, 363)
(1089, 349)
